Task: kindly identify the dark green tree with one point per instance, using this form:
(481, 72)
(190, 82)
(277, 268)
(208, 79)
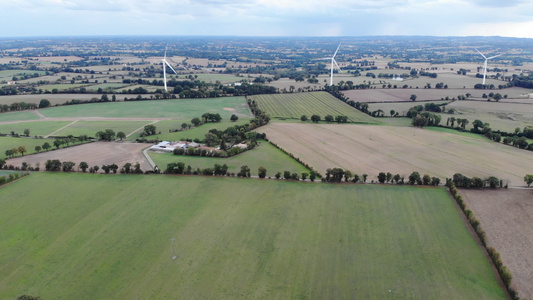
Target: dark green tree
(83, 166)
(261, 172)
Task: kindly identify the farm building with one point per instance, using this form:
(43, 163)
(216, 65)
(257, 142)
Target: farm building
(166, 146)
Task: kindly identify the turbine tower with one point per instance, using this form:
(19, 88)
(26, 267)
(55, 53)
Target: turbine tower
(485, 64)
(333, 61)
(165, 64)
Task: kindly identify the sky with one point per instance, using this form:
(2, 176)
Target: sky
(512, 18)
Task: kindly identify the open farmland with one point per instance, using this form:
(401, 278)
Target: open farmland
(95, 154)
(174, 109)
(399, 94)
(235, 239)
(293, 106)
(399, 150)
(37, 128)
(13, 142)
(56, 98)
(90, 128)
(507, 218)
(266, 155)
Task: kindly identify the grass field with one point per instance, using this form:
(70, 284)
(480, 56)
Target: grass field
(400, 150)
(235, 239)
(12, 142)
(90, 128)
(264, 155)
(105, 86)
(193, 133)
(8, 74)
(61, 87)
(293, 106)
(175, 109)
(38, 128)
(18, 116)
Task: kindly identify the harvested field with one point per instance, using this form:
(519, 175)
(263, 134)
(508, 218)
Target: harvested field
(373, 149)
(506, 215)
(399, 94)
(98, 153)
(55, 98)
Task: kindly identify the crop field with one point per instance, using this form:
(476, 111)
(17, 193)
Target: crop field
(37, 128)
(235, 238)
(399, 150)
(212, 78)
(95, 154)
(506, 215)
(174, 109)
(55, 98)
(293, 106)
(105, 86)
(90, 128)
(61, 87)
(264, 155)
(8, 74)
(402, 107)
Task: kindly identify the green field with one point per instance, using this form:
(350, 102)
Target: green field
(18, 116)
(175, 109)
(30, 143)
(61, 86)
(38, 128)
(293, 106)
(90, 128)
(193, 133)
(264, 155)
(8, 74)
(223, 78)
(106, 86)
(86, 236)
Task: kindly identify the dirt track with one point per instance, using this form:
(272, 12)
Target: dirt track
(373, 149)
(506, 215)
(98, 153)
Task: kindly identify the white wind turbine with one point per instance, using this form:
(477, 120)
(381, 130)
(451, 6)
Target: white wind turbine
(485, 64)
(333, 61)
(165, 64)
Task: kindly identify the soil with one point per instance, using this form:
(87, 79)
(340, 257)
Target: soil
(506, 215)
(97, 153)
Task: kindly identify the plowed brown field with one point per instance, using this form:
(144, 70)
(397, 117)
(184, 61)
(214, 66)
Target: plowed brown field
(373, 149)
(507, 218)
(98, 153)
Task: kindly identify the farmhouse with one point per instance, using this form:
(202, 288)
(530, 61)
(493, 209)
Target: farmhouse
(166, 146)
(11, 82)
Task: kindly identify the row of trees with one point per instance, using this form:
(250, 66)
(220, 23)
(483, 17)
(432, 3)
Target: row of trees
(55, 165)
(459, 180)
(339, 174)
(328, 118)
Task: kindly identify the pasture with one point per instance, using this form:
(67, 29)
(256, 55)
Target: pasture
(507, 218)
(293, 106)
(172, 109)
(235, 239)
(37, 128)
(400, 94)
(399, 150)
(90, 128)
(18, 116)
(7, 143)
(55, 98)
(266, 155)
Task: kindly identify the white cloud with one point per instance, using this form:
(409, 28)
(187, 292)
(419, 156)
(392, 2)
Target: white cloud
(514, 29)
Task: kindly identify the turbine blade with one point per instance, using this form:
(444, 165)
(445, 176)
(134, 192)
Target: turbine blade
(166, 51)
(494, 56)
(336, 63)
(171, 67)
(481, 53)
(336, 50)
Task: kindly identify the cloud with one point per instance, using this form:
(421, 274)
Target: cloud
(514, 29)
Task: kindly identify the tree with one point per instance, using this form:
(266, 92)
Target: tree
(382, 177)
(392, 112)
(413, 97)
(278, 175)
(28, 297)
(196, 122)
(435, 181)
(414, 178)
(396, 178)
(127, 168)
(315, 118)
(2, 163)
(477, 124)
(68, 166)
(364, 177)
(234, 118)
(303, 118)
(245, 171)
(9, 152)
(44, 103)
(304, 176)
(22, 149)
(426, 179)
(15, 151)
(58, 143)
(312, 176)
(528, 179)
(150, 129)
(184, 126)
(46, 146)
(262, 172)
(287, 175)
(83, 166)
(328, 118)
(26, 132)
(121, 135)
(493, 182)
(52, 165)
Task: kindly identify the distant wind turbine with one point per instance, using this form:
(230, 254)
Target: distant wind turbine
(485, 64)
(333, 62)
(165, 64)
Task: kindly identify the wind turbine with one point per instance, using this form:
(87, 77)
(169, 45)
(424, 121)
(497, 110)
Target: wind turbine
(485, 64)
(165, 64)
(333, 62)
